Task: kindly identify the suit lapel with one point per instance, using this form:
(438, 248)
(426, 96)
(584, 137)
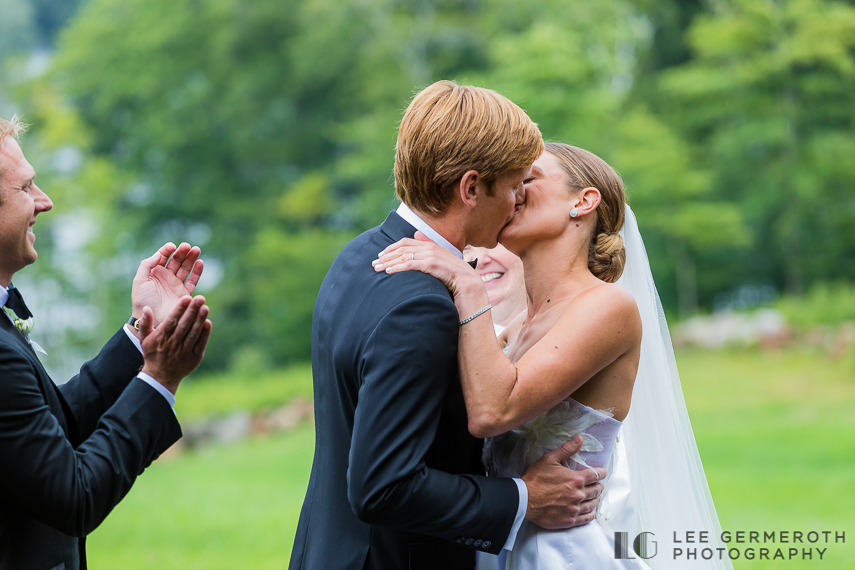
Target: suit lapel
(6, 324)
(51, 393)
(397, 227)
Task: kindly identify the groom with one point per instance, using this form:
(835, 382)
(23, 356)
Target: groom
(397, 480)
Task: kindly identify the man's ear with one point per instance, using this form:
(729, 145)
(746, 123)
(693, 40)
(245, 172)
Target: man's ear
(468, 187)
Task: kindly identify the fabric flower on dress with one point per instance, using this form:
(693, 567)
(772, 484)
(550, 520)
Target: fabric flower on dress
(556, 426)
(523, 446)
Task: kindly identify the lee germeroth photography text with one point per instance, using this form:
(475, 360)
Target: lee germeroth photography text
(744, 544)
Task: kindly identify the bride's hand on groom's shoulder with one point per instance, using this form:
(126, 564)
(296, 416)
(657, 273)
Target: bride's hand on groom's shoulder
(422, 254)
(559, 497)
(164, 278)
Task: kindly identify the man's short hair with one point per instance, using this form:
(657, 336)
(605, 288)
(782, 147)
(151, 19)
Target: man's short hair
(14, 128)
(449, 129)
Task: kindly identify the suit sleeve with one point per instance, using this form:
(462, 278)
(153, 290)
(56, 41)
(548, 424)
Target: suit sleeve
(67, 489)
(101, 381)
(409, 361)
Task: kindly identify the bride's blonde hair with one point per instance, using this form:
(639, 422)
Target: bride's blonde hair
(606, 254)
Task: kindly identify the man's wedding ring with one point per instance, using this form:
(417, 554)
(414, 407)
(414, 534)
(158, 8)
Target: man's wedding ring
(414, 256)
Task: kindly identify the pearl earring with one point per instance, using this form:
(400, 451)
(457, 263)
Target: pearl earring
(574, 212)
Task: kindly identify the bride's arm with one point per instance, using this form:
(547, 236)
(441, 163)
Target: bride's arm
(596, 329)
(593, 332)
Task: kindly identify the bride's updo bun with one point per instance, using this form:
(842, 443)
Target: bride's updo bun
(606, 254)
(606, 257)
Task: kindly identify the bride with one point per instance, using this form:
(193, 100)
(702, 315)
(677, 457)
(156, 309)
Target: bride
(572, 363)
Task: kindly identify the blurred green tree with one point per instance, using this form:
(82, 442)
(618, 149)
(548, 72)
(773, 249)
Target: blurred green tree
(265, 132)
(17, 27)
(770, 93)
(217, 109)
(260, 127)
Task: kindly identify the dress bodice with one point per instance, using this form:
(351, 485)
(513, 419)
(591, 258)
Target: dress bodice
(510, 454)
(579, 548)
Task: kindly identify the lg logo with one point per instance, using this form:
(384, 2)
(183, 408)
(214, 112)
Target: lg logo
(643, 546)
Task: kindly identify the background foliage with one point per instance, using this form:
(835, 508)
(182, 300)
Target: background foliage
(264, 132)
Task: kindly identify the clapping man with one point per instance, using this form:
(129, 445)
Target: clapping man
(69, 454)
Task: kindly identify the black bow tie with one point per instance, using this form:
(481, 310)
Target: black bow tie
(17, 304)
(473, 264)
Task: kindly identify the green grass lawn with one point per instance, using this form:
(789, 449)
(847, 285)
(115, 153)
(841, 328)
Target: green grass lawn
(227, 507)
(776, 433)
(223, 393)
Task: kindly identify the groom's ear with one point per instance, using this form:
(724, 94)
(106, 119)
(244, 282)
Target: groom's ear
(468, 187)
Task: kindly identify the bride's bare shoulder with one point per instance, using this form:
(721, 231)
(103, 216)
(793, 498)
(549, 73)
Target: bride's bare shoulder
(607, 303)
(609, 292)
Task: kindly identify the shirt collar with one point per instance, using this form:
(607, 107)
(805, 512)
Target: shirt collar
(4, 296)
(414, 220)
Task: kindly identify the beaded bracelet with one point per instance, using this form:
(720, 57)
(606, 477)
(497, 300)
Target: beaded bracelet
(478, 314)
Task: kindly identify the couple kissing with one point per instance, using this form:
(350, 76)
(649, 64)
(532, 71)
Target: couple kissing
(442, 446)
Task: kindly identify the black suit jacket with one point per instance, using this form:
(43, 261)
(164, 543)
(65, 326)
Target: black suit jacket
(397, 480)
(69, 454)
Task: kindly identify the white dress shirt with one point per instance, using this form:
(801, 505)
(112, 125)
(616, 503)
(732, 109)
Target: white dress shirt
(414, 220)
(4, 296)
(145, 377)
(161, 389)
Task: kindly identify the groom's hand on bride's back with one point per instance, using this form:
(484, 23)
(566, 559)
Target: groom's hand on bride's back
(559, 497)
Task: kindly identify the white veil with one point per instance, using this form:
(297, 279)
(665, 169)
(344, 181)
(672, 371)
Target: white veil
(669, 490)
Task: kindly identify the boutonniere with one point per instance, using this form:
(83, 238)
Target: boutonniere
(25, 327)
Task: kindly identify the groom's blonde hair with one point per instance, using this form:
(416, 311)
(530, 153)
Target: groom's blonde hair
(449, 129)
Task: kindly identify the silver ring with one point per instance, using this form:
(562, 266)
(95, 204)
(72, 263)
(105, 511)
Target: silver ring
(414, 255)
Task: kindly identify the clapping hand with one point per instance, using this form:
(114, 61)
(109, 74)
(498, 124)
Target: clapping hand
(164, 278)
(177, 347)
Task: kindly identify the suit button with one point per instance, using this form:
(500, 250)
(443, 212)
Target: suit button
(478, 543)
(487, 544)
(461, 540)
(470, 541)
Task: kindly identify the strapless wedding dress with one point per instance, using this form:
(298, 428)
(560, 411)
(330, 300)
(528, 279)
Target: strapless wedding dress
(588, 547)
